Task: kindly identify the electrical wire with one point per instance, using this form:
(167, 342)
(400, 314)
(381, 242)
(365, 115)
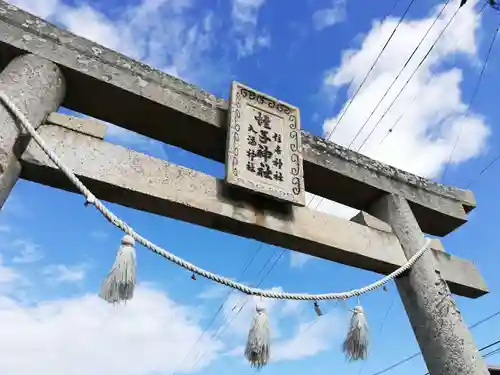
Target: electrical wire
(409, 79)
(488, 166)
(216, 334)
(415, 355)
(381, 328)
(402, 69)
(489, 354)
(374, 63)
(476, 90)
(404, 66)
(433, 73)
(219, 310)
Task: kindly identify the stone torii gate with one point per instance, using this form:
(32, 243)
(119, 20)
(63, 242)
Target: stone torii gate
(43, 67)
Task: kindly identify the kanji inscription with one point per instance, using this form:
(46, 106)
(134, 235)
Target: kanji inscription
(263, 148)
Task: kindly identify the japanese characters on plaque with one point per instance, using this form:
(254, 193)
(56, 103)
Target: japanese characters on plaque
(263, 148)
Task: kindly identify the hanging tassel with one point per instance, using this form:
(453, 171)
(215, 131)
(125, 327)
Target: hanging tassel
(258, 343)
(120, 282)
(317, 309)
(356, 343)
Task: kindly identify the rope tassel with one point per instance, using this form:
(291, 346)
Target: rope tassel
(120, 282)
(356, 343)
(258, 343)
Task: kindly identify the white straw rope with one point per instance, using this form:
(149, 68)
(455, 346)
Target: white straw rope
(91, 199)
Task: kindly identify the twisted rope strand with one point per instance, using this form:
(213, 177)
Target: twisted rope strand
(91, 199)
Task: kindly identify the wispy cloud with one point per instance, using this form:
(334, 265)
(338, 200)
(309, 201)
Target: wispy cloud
(311, 338)
(99, 235)
(156, 32)
(327, 17)
(135, 141)
(297, 260)
(60, 273)
(245, 16)
(8, 275)
(28, 251)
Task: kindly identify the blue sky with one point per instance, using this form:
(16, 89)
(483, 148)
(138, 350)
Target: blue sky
(313, 54)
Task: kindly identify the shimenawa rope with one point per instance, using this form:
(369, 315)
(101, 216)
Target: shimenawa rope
(91, 199)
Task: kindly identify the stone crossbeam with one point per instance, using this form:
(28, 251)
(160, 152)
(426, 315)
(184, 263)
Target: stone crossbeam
(132, 179)
(111, 87)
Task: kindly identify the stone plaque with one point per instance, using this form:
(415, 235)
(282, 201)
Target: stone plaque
(263, 145)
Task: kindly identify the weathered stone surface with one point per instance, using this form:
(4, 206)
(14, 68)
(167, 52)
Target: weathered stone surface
(126, 177)
(37, 88)
(368, 220)
(444, 339)
(81, 125)
(123, 90)
(119, 90)
(457, 272)
(263, 147)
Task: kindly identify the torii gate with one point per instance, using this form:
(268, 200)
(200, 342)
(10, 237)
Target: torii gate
(43, 67)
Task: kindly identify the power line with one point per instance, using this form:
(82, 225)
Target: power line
(433, 73)
(409, 79)
(489, 354)
(401, 70)
(218, 311)
(415, 355)
(381, 328)
(476, 89)
(374, 63)
(488, 166)
(226, 299)
(493, 352)
(214, 335)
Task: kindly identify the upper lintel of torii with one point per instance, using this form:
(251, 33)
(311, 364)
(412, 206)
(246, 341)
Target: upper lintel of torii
(109, 86)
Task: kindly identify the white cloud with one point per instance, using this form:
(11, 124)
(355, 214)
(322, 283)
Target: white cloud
(292, 307)
(214, 291)
(5, 229)
(152, 329)
(135, 141)
(245, 20)
(245, 12)
(8, 276)
(29, 252)
(12, 281)
(42, 8)
(156, 32)
(149, 335)
(422, 141)
(297, 260)
(60, 273)
(311, 338)
(327, 17)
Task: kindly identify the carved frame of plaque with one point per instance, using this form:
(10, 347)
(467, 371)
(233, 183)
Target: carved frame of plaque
(258, 127)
